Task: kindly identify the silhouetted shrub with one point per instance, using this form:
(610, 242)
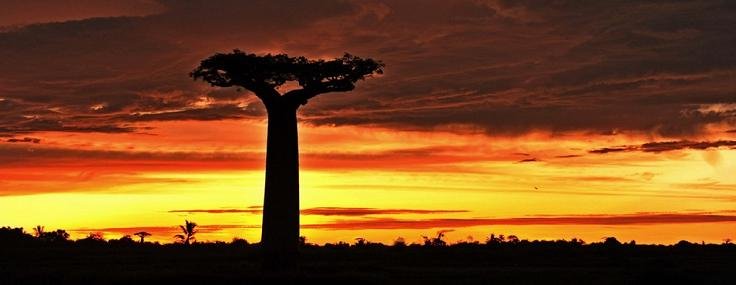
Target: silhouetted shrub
(239, 242)
(399, 242)
(57, 236)
(14, 236)
(92, 239)
(436, 241)
(512, 239)
(125, 240)
(611, 242)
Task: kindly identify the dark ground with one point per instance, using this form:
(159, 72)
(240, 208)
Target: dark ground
(519, 263)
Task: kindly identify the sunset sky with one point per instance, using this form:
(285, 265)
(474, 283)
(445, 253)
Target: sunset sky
(543, 119)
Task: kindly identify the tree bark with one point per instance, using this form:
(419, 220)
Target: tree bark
(280, 229)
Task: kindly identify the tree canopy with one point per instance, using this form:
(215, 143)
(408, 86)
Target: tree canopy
(263, 74)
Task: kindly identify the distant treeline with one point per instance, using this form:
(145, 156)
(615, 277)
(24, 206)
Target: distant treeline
(17, 236)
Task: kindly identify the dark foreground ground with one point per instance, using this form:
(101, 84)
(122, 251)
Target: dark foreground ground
(540, 263)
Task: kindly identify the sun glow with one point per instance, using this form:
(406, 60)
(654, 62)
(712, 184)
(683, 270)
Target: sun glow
(116, 183)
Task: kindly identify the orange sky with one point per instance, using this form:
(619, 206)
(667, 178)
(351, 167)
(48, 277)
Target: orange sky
(471, 183)
(546, 122)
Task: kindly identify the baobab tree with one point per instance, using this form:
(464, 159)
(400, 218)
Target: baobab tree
(263, 75)
(142, 235)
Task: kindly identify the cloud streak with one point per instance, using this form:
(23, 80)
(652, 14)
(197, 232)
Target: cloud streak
(609, 220)
(665, 146)
(24, 140)
(327, 211)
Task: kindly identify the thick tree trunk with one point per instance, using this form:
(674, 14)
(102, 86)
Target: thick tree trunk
(280, 229)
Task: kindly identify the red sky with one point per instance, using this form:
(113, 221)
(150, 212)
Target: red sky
(552, 120)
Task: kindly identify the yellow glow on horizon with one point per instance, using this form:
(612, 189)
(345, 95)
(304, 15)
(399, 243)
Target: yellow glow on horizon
(148, 175)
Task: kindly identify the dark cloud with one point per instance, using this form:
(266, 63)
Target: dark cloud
(24, 140)
(609, 220)
(575, 66)
(98, 74)
(18, 12)
(612, 149)
(677, 145)
(568, 156)
(666, 146)
(327, 211)
(508, 68)
(528, 160)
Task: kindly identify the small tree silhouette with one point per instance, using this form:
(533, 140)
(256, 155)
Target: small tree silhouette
(512, 239)
(493, 239)
(263, 75)
(142, 235)
(38, 231)
(611, 242)
(188, 231)
(399, 242)
(436, 241)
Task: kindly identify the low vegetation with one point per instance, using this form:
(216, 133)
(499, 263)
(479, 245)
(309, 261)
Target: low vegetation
(51, 257)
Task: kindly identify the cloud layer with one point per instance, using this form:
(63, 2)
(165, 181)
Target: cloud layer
(396, 223)
(505, 67)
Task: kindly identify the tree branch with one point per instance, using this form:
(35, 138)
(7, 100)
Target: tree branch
(301, 96)
(266, 93)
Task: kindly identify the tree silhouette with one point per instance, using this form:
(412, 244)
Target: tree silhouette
(188, 230)
(57, 236)
(142, 235)
(436, 241)
(92, 239)
(263, 75)
(38, 231)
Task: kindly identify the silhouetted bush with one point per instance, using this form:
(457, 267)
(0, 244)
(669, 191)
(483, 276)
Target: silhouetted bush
(435, 241)
(92, 239)
(611, 242)
(57, 236)
(125, 240)
(239, 242)
(14, 237)
(399, 242)
(684, 244)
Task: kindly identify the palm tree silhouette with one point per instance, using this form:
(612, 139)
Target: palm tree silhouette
(188, 231)
(38, 231)
(142, 235)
